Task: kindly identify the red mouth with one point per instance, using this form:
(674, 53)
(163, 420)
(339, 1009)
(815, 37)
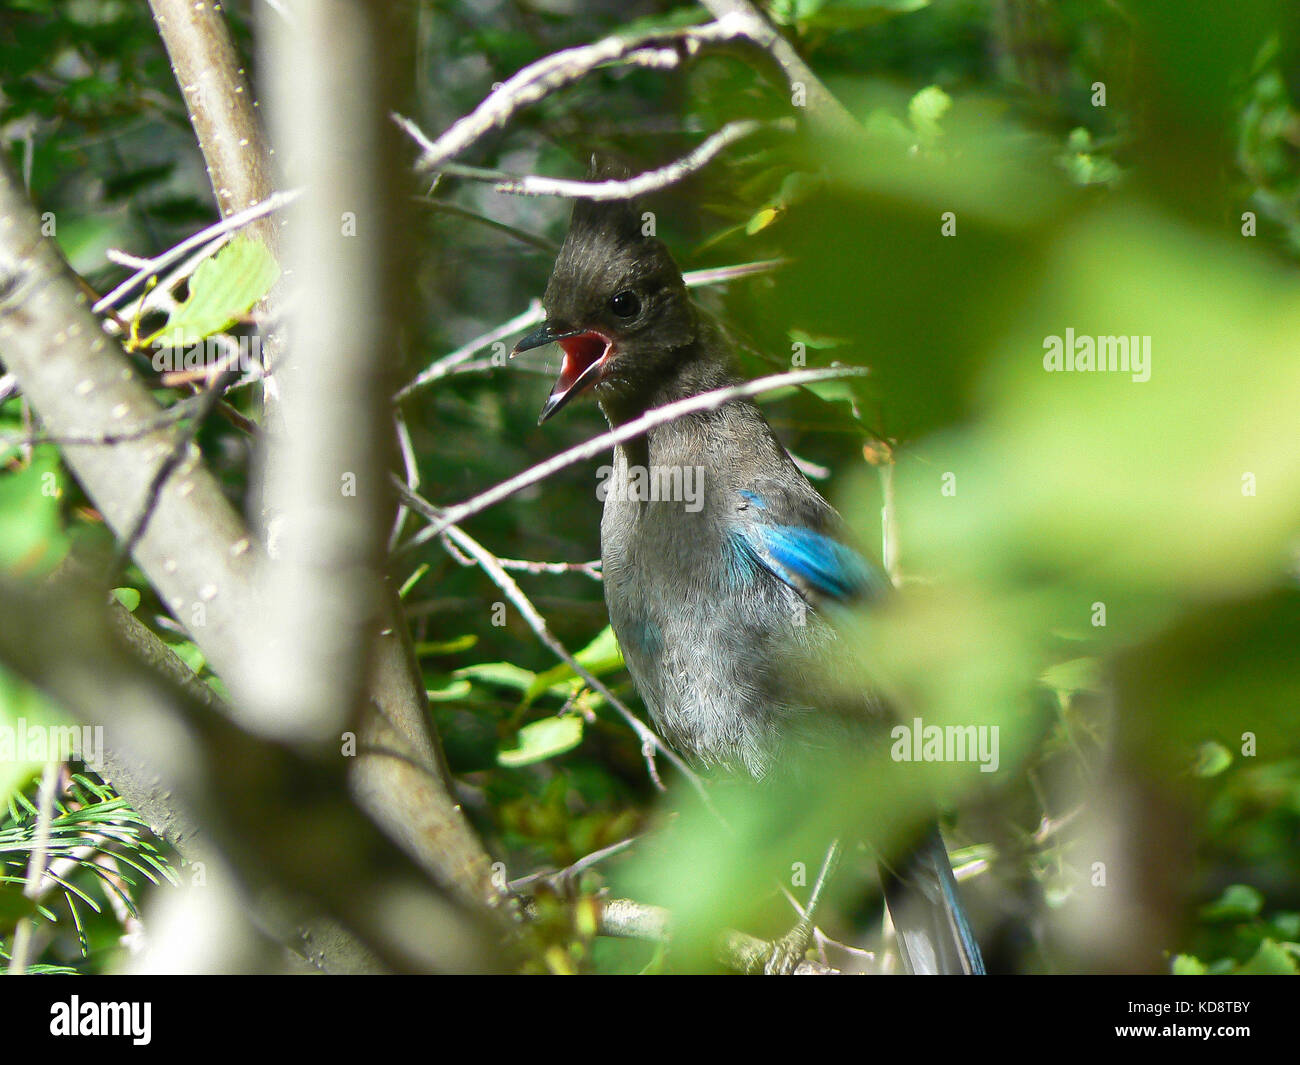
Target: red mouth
(581, 354)
(584, 358)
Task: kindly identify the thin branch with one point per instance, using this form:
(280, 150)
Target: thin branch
(220, 104)
(443, 366)
(175, 413)
(218, 229)
(718, 275)
(410, 469)
(456, 360)
(629, 188)
(553, 72)
(597, 445)
(650, 742)
(590, 569)
(570, 871)
(521, 235)
(629, 919)
(37, 866)
(206, 401)
(587, 569)
(825, 112)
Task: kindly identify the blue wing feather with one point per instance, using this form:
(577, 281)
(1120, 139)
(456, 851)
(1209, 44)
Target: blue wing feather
(809, 561)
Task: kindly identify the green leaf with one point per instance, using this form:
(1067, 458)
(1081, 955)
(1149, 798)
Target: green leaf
(925, 109)
(1286, 924)
(505, 674)
(221, 290)
(128, 597)
(1075, 675)
(1271, 959)
(457, 689)
(445, 647)
(840, 14)
(543, 739)
(1212, 759)
(761, 220)
(816, 341)
(189, 653)
(1187, 965)
(599, 657)
(32, 537)
(1237, 902)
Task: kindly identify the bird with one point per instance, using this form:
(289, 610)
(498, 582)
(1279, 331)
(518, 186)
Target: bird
(720, 597)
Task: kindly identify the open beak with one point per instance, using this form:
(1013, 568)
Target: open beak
(584, 357)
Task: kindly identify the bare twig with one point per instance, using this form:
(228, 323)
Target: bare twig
(626, 189)
(718, 275)
(553, 72)
(629, 919)
(206, 401)
(629, 431)
(521, 235)
(581, 865)
(220, 104)
(651, 744)
(213, 232)
(184, 409)
(443, 366)
(587, 569)
(456, 360)
(825, 112)
(37, 865)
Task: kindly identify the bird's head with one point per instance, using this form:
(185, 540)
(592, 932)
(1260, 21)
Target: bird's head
(616, 305)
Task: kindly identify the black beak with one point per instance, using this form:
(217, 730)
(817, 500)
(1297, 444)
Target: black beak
(541, 336)
(582, 362)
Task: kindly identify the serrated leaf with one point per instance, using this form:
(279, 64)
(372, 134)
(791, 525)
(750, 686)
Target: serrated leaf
(543, 739)
(221, 290)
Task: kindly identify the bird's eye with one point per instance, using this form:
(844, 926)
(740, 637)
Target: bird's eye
(625, 304)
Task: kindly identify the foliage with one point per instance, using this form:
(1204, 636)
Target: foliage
(1021, 499)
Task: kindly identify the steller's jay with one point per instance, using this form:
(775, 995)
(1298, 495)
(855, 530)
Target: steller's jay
(716, 600)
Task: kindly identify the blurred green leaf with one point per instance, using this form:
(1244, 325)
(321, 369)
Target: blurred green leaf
(1271, 959)
(505, 674)
(543, 739)
(1212, 759)
(1238, 901)
(925, 111)
(32, 537)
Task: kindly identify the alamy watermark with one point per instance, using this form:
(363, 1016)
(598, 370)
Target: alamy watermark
(654, 484)
(919, 742)
(23, 742)
(242, 353)
(1098, 354)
